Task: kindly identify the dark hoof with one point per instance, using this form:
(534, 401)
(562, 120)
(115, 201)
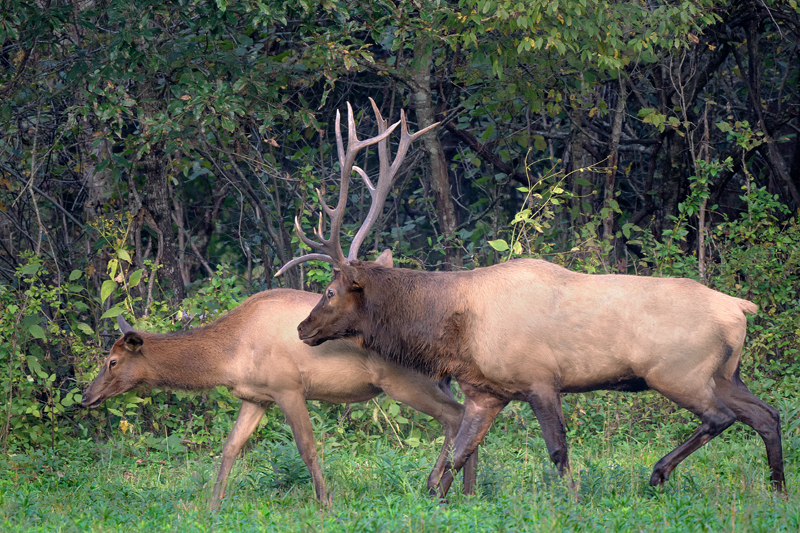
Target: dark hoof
(659, 477)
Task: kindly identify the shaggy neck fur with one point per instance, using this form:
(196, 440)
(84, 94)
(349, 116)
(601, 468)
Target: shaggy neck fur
(420, 320)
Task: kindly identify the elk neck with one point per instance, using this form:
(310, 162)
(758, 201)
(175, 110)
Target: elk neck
(191, 360)
(420, 320)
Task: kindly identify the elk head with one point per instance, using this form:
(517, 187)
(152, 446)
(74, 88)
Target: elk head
(122, 369)
(336, 315)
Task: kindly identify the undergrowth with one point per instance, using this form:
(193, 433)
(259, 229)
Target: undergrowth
(379, 485)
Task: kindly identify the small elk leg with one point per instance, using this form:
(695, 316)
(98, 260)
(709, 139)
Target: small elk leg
(760, 416)
(481, 408)
(294, 408)
(249, 416)
(546, 406)
(716, 417)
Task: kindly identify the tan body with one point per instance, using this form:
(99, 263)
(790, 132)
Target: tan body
(590, 332)
(530, 330)
(255, 352)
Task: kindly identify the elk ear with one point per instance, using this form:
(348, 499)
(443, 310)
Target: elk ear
(132, 342)
(124, 327)
(385, 259)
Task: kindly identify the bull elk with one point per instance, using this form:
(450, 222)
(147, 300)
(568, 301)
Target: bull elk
(254, 352)
(530, 330)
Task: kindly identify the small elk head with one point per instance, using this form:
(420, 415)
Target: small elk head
(337, 315)
(121, 371)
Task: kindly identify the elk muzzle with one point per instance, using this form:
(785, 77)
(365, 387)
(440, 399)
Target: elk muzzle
(91, 400)
(309, 333)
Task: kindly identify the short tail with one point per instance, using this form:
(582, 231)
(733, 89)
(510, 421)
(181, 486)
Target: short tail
(747, 307)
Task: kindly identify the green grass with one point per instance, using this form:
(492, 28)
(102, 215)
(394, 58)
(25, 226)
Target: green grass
(379, 486)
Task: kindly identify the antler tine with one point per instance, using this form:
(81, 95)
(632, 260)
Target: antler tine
(312, 244)
(332, 246)
(306, 240)
(405, 141)
(386, 175)
(383, 146)
(364, 177)
(303, 259)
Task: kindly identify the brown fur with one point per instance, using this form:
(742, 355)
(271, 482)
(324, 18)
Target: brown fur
(254, 351)
(531, 330)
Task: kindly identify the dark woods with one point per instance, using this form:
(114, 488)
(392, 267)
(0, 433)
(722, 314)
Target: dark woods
(191, 137)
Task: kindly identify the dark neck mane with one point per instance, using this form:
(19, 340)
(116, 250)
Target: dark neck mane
(418, 320)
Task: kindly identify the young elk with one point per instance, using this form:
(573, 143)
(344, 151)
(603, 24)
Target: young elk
(255, 352)
(530, 330)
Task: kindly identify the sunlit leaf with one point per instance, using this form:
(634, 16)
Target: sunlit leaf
(106, 290)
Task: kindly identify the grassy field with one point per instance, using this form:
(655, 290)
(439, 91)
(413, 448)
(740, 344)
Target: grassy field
(379, 485)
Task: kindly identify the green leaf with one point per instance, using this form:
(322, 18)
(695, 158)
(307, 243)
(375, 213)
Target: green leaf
(500, 245)
(31, 269)
(75, 274)
(85, 328)
(539, 143)
(111, 313)
(136, 277)
(36, 331)
(112, 268)
(33, 365)
(123, 254)
(106, 290)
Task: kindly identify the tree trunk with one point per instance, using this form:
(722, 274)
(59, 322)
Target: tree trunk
(437, 165)
(157, 198)
(611, 174)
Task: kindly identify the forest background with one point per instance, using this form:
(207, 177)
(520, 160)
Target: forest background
(153, 156)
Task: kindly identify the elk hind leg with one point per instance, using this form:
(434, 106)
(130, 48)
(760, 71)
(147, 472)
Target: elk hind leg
(715, 418)
(760, 416)
(249, 416)
(546, 405)
(293, 406)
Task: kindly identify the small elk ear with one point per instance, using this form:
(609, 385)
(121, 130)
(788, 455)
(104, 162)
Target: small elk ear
(385, 259)
(132, 342)
(124, 327)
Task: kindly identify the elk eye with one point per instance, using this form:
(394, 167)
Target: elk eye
(330, 294)
(112, 363)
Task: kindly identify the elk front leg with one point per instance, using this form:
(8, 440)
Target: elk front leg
(481, 408)
(293, 406)
(249, 416)
(435, 400)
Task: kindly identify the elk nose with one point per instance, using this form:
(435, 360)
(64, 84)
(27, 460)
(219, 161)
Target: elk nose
(87, 401)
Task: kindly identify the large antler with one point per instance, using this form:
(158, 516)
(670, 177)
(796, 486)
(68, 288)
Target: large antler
(331, 247)
(386, 174)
